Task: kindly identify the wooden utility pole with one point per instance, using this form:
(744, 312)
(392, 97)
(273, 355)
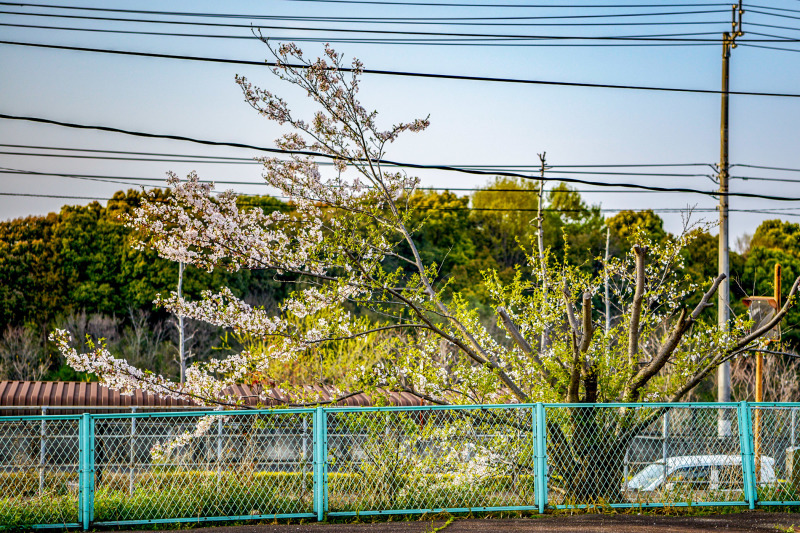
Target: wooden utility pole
(540, 239)
(724, 370)
(181, 330)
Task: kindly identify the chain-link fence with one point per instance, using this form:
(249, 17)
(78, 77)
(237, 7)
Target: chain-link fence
(644, 455)
(40, 463)
(776, 453)
(183, 466)
(129, 468)
(424, 460)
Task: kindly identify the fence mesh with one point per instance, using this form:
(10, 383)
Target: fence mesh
(430, 459)
(159, 467)
(39, 471)
(644, 455)
(776, 453)
(193, 466)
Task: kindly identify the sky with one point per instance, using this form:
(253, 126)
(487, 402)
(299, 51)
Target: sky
(472, 122)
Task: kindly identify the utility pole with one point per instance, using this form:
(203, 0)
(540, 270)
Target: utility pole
(724, 370)
(540, 239)
(181, 331)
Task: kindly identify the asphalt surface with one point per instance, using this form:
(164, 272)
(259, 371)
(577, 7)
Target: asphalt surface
(753, 521)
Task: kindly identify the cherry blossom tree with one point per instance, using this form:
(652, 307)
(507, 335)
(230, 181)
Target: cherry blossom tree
(349, 244)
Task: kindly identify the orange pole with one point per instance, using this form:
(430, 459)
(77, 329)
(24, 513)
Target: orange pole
(757, 416)
(760, 381)
(778, 284)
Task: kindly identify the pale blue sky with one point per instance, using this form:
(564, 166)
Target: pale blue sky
(471, 122)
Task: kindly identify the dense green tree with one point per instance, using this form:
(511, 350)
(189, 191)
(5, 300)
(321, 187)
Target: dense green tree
(778, 235)
(573, 230)
(626, 224)
(774, 241)
(504, 219)
(503, 236)
(29, 284)
(81, 259)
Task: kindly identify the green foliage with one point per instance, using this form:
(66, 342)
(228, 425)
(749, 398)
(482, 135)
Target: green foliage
(334, 362)
(443, 234)
(774, 241)
(757, 275)
(203, 494)
(81, 259)
(574, 231)
(21, 503)
(625, 225)
(19, 514)
(502, 237)
(777, 234)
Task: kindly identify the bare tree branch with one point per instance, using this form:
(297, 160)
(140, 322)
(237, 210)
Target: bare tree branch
(665, 352)
(523, 344)
(573, 322)
(636, 307)
(588, 328)
(740, 347)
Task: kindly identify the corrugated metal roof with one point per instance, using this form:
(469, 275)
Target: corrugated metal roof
(70, 397)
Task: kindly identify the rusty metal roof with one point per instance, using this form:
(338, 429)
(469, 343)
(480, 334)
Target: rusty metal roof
(70, 397)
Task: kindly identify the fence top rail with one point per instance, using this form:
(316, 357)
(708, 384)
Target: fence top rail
(197, 414)
(671, 405)
(147, 412)
(639, 405)
(20, 418)
(103, 407)
(459, 407)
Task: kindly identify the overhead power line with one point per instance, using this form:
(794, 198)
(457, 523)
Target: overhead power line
(773, 26)
(251, 160)
(506, 42)
(779, 15)
(487, 168)
(472, 167)
(336, 19)
(408, 74)
(526, 6)
(749, 6)
(128, 179)
(771, 48)
(762, 167)
(252, 26)
(401, 164)
(477, 209)
(757, 178)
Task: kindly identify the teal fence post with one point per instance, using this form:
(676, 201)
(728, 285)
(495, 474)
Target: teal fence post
(86, 475)
(324, 461)
(540, 457)
(320, 480)
(748, 460)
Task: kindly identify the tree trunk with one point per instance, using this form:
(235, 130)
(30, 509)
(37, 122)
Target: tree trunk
(586, 457)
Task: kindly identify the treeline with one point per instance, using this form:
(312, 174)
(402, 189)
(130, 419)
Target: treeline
(78, 268)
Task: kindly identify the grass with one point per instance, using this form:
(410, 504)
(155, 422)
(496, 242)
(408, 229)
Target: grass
(203, 494)
(197, 494)
(17, 513)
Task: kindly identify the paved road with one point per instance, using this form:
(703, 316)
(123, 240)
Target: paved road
(754, 521)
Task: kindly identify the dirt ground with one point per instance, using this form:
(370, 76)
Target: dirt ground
(753, 521)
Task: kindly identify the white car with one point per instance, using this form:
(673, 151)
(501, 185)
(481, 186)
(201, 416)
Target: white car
(697, 473)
